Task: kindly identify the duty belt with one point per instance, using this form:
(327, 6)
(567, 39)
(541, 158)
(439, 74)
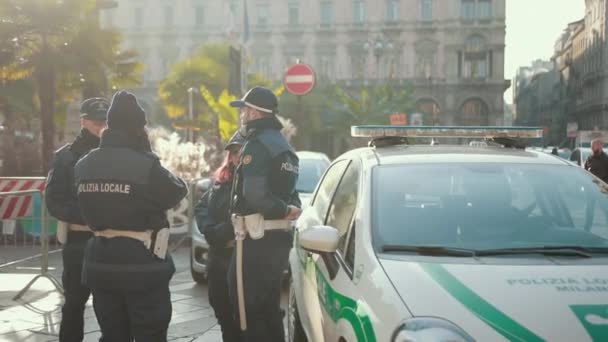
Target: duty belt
(78, 228)
(157, 243)
(63, 228)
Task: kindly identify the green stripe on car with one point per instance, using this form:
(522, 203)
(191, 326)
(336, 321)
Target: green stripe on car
(340, 307)
(481, 308)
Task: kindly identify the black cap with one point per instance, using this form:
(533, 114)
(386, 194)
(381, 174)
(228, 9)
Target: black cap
(125, 112)
(237, 139)
(260, 98)
(94, 108)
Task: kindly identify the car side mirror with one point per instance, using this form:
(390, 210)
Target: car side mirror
(322, 240)
(319, 239)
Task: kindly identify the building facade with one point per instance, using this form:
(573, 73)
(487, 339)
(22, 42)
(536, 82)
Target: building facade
(452, 51)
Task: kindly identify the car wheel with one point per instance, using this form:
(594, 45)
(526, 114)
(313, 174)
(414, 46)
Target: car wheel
(199, 278)
(294, 325)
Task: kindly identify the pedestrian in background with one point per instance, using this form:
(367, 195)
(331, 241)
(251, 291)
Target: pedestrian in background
(213, 219)
(124, 193)
(597, 163)
(72, 231)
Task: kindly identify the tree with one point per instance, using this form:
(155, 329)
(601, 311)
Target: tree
(16, 105)
(208, 67)
(54, 42)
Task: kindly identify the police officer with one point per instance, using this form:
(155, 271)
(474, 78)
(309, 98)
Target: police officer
(264, 204)
(124, 193)
(213, 218)
(597, 163)
(72, 231)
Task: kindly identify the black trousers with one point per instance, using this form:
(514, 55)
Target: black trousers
(76, 297)
(124, 316)
(217, 276)
(264, 263)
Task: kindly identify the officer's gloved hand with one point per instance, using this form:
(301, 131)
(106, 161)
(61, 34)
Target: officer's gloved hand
(293, 213)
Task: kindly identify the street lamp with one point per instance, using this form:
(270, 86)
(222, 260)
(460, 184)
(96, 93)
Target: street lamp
(379, 46)
(190, 132)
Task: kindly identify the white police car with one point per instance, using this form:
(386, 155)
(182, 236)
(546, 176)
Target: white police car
(451, 243)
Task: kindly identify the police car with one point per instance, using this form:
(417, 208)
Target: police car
(451, 243)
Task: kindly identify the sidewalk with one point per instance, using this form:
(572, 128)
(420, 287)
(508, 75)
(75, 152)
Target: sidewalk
(37, 315)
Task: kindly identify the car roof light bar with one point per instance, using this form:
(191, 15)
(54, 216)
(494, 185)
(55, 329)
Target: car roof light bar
(489, 132)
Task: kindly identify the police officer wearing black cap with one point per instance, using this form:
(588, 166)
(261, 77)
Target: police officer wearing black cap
(264, 204)
(213, 219)
(72, 231)
(124, 193)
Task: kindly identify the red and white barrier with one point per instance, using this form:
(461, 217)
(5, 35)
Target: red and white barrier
(12, 207)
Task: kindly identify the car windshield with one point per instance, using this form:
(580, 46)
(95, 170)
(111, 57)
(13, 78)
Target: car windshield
(310, 172)
(488, 206)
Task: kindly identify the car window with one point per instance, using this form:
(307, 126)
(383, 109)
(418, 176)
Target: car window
(483, 206)
(310, 171)
(349, 258)
(327, 187)
(344, 203)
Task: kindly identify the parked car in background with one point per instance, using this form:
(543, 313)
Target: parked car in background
(312, 167)
(580, 155)
(199, 247)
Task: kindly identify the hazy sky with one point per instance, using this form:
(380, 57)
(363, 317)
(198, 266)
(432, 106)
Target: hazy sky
(533, 26)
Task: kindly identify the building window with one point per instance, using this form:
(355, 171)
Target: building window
(392, 10)
(426, 10)
(426, 59)
(359, 11)
(327, 67)
(474, 113)
(263, 66)
(327, 13)
(293, 13)
(138, 17)
(199, 16)
(357, 62)
(168, 16)
(476, 58)
(485, 9)
(467, 9)
(263, 15)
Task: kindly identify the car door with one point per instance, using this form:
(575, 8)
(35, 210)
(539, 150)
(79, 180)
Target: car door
(307, 297)
(335, 279)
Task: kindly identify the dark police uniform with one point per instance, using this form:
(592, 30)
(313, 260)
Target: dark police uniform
(213, 219)
(598, 165)
(123, 187)
(265, 183)
(62, 204)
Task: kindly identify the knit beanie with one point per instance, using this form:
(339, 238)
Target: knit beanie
(125, 113)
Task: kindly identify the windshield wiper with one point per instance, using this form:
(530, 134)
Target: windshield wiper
(579, 251)
(430, 250)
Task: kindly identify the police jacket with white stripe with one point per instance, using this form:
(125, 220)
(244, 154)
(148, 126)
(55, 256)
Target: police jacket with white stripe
(122, 185)
(268, 172)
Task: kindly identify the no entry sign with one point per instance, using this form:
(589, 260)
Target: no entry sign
(299, 79)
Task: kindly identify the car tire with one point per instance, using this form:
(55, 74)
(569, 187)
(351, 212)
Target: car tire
(199, 278)
(295, 332)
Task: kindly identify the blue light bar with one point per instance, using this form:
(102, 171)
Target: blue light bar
(489, 132)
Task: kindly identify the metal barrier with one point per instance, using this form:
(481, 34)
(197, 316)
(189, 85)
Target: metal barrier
(44, 240)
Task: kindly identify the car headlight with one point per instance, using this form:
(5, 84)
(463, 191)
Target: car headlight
(426, 329)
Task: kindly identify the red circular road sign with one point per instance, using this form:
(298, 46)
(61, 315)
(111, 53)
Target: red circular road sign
(299, 79)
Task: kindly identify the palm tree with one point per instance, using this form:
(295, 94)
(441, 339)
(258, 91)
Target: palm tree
(55, 44)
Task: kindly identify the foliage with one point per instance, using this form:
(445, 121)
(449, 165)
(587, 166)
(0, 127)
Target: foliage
(60, 47)
(208, 67)
(185, 159)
